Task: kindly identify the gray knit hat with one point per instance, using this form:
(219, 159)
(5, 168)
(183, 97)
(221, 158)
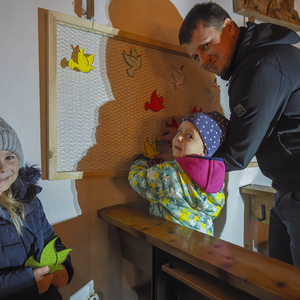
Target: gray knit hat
(9, 141)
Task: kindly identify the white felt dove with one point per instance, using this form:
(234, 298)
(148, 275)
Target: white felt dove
(179, 77)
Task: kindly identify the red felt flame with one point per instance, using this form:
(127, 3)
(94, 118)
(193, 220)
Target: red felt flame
(156, 103)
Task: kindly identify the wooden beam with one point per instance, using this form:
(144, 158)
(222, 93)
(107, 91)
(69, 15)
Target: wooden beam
(89, 9)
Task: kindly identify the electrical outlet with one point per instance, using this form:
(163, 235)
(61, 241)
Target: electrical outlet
(95, 296)
(92, 296)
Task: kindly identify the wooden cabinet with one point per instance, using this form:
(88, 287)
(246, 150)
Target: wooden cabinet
(261, 201)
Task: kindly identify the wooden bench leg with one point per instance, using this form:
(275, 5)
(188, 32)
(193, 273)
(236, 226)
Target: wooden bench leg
(162, 284)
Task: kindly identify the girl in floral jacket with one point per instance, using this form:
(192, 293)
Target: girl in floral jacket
(189, 189)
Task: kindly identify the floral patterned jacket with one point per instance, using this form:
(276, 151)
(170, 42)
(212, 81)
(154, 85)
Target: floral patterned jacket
(186, 191)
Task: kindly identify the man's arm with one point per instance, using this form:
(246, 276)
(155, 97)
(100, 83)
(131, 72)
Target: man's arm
(257, 99)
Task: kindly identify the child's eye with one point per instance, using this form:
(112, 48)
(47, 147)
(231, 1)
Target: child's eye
(189, 136)
(10, 157)
(179, 131)
(196, 57)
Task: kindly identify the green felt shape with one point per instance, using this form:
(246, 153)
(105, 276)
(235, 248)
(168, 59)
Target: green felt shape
(50, 257)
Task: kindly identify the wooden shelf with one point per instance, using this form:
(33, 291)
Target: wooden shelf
(260, 190)
(205, 283)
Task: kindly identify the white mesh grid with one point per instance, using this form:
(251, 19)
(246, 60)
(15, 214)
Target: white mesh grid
(102, 123)
(224, 98)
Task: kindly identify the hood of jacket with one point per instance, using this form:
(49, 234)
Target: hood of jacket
(259, 35)
(208, 173)
(25, 188)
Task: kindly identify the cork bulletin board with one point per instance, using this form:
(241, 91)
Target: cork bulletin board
(110, 92)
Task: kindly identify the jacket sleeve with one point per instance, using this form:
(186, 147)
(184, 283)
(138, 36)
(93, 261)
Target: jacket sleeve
(14, 277)
(17, 280)
(147, 180)
(258, 94)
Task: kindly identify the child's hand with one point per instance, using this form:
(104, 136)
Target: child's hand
(165, 152)
(167, 134)
(166, 156)
(42, 281)
(39, 273)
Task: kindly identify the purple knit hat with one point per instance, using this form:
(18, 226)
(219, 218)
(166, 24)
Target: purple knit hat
(212, 127)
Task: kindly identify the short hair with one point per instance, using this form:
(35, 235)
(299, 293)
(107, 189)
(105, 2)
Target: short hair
(210, 14)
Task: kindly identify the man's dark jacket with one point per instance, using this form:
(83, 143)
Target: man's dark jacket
(264, 93)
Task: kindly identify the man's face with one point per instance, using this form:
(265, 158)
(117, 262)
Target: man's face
(213, 48)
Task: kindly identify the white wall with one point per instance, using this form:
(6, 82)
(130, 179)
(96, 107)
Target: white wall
(19, 94)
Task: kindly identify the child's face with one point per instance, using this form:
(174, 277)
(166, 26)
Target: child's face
(187, 141)
(9, 169)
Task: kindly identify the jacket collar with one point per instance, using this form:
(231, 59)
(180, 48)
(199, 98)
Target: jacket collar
(25, 188)
(259, 35)
(208, 173)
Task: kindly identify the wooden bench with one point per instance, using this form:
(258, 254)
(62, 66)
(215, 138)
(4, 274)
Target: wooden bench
(208, 266)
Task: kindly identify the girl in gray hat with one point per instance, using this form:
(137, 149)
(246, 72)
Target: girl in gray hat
(24, 229)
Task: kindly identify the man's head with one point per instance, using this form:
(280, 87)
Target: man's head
(209, 36)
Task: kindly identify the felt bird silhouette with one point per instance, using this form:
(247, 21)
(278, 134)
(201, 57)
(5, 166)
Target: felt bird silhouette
(174, 124)
(215, 89)
(156, 102)
(50, 257)
(195, 110)
(179, 77)
(150, 150)
(134, 61)
(79, 61)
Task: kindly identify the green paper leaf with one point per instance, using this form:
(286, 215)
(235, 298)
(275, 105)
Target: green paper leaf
(49, 254)
(55, 268)
(49, 257)
(62, 255)
(32, 263)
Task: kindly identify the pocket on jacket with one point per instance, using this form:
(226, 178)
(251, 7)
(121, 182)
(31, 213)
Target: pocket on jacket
(12, 255)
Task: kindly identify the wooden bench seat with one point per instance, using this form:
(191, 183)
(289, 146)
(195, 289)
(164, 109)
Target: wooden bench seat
(244, 270)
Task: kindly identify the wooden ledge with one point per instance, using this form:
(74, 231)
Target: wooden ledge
(261, 276)
(259, 190)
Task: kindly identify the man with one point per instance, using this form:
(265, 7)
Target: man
(263, 70)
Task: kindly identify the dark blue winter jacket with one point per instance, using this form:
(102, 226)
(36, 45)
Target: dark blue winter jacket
(16, 281)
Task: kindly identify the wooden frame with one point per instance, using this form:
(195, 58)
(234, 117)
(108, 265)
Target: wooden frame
(259, 10)
(55, 18)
